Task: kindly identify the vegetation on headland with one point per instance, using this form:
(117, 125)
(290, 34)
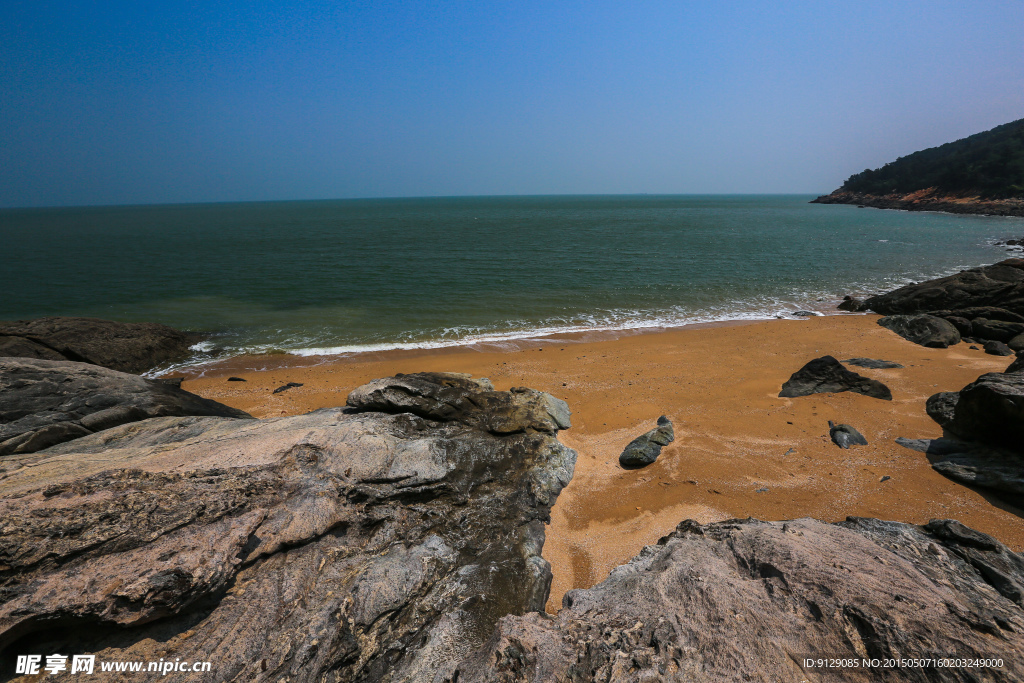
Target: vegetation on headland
(987, 165)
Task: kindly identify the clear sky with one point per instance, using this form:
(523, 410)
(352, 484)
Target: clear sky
(114, 102)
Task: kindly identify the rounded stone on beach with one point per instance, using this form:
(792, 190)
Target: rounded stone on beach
(646, 448)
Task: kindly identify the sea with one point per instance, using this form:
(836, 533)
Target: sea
(344, 277)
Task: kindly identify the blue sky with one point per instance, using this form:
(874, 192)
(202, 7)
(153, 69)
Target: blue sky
(115, 102)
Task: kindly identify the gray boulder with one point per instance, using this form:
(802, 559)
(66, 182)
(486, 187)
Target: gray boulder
(999, 286)
(997, 330)
(926, 330)
(128, 347)
(340, 545)
(44, 402)
(941, 406)
(1017, 343)
(990, 410)
(844, 435)
(827, 375)
(996, 348)
(744, 600)
(1000, 470)
(645, 449)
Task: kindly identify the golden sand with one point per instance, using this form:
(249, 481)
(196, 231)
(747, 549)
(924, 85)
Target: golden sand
(740, 450)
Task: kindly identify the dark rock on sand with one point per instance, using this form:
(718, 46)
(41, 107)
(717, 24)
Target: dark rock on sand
(236, 379)
(1017, 365)
(286, 387)
(844, 435)
(45, 402)
(1017, 343)
(995, 348)
(990, 410)
(827, 375)
(749, 601)
(926, 330)
(333, 546)
(940, 407)
(1000, 285)
(645, 449)
(872, 363)
(128, 347)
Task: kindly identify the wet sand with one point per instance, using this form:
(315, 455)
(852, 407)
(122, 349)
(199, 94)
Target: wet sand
(740, 450)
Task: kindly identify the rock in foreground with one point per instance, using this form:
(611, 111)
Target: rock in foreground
(750, 601)
(128, 347)
(334, 546)
(826, 375)
(44, 402)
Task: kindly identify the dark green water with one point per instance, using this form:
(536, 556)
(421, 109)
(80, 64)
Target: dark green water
(353, 275)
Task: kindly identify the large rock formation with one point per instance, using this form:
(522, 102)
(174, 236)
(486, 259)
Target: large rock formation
(358, 544)
(128, 347)
(45, 402)
(998, 286)
(826, 375)
(753, 601)
(983, 444)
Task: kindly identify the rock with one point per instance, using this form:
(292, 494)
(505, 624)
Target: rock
(128, 347)
(973, 312)
(995, 348)
(1017, 365)
(1000, 285)
(926, 330)
(286, 387)
(454, 396)
(645, 449)
(962, 325)
(332, 546)
(827, 375)
(990, 410)
(844, 435)
(998, 330)
(170, 381)
(999, 470)
(940, 407)
(44, 402)
(1017, 343)
(851, 304)
(804, 314)
(750, 601)
(235, 379)
(973, 347)
(871, 363)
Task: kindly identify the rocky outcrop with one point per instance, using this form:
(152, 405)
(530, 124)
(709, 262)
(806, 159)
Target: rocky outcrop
(925, 330)
(752, 601)
(356, 544)
(645, 449)
(1000, 470)
(928, 200)
(999, 286)
(44, 402)
(128, 347)
(826, 375)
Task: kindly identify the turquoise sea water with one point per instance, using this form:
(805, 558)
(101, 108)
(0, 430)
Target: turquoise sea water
(354, 275)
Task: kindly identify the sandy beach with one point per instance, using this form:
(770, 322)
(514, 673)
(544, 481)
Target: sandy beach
(740, 450)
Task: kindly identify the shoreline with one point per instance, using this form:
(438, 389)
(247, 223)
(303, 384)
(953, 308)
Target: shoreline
(740, 450)
(928, 200)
